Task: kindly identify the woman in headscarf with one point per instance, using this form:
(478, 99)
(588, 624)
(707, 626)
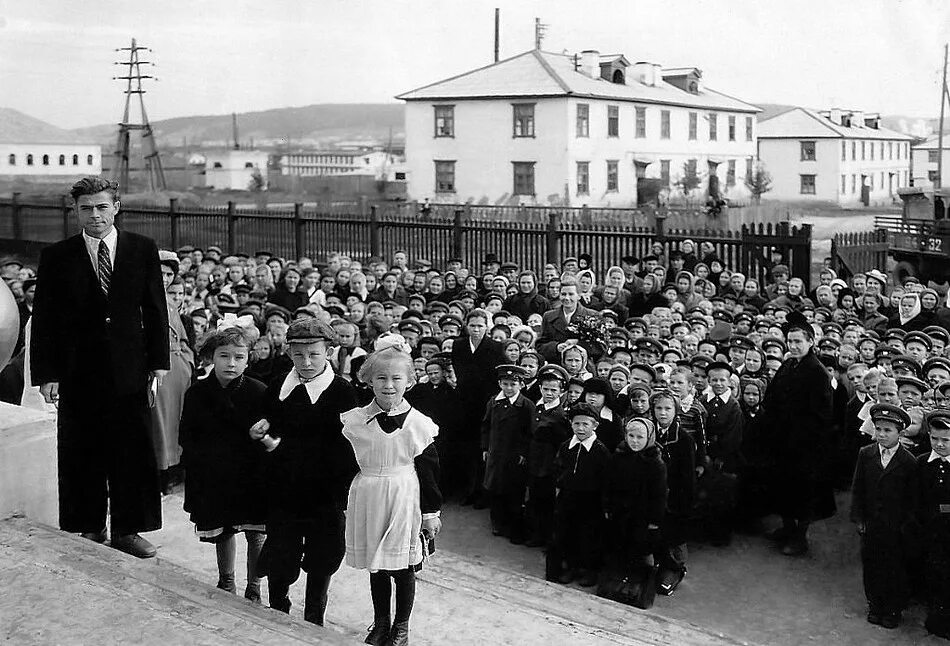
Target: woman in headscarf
(586, 283)
(928, 306)
(751, 294)
(287, 293)
(618, 279)
(846, 302)
(908, 315)
(436, 290)
(685, 290)
(644, 302)
(451, 283)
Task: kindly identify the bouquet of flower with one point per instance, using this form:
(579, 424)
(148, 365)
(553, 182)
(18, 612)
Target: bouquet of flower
(592, 330)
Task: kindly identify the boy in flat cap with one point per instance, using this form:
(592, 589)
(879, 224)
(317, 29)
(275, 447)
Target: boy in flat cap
(883, 496)
(309, 467)
(507, 428)
(933, 514)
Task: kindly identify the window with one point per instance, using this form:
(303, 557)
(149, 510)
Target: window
(853, 149)
(732, 127)
(844, 184)
(863, 146)
(882, 151)
(692, 126)
(583, 120)
(933, 156)
(444, 120)
(88, 160)
(11, 159)
(665, 171)
(523, 178)
(613, 121)
(844, 151)
(890, 150)
(808, 185)
(46, 160)
(29, 160)
(641, 123)
(854, 184)
(808, 151)
(691, 168)
(583, 178)
(664, 124)
(75, 160)
(932, 176)
(749, 162)
(400, 175)
(748, 128)
(444, 176)
(612, 175)
(872, 151)
(524, 119)
(217, 165)
(731, 172)
(62, 160)
(713, 126)
(248, 165)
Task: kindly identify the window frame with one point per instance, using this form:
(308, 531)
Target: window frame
(613, 121)
(693, 131)
(447, 165)
(582, 124)
(11, 159)
(640, 129)
(713, 118)
(732, 127)
(803, 184)
(933, 156)
(730, 173)
(522, 120)
(665, 165)
(809, 150)
(748, 128)
(613, 170)
(450, 121)
(579, 188)
(665, 120)
(515, 166)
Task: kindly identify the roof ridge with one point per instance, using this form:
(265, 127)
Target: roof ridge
(550, 70)
(458, 76)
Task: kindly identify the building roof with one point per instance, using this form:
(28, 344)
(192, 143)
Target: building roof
(932, 142)
(544, 74)
(797, 122)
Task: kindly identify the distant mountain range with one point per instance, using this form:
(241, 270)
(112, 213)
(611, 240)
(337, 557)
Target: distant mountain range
(312, 125)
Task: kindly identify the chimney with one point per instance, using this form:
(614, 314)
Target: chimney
(872, 120)
(835, 115)
(646, 73)
(857, 119)
(590, 63)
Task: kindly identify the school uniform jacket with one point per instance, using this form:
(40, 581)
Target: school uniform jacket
(724, 431)
(551, 430)
(884, 498)
(506, 434)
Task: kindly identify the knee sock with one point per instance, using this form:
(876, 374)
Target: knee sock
(405, 593)
(381, 590)
(225, 551)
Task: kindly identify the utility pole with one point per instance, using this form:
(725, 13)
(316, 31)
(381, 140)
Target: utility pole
(497, 20)
(943, 104)
(539, 29)
(234, 131)
(153, 162)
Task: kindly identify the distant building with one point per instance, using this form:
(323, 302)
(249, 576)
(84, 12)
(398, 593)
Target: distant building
(318, 163)
(924, 162)
(40, 160)
(834, 155)
(545, 128)
(234, 169)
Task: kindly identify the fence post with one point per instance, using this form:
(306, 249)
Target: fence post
(375, 249)
(232, 227)
(298, 230)
(659, 223)
(805, 254)
(457, 233)
(173, 220)
(551, 239)
(64, 201)
(17, 221)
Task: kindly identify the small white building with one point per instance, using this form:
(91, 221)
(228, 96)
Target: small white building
(234, 169)
(835, 155)
(545, 128)
(49, 159)
(316, 163)
(924, 162)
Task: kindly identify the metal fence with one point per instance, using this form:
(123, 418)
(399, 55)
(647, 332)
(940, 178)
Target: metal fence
(529, 236)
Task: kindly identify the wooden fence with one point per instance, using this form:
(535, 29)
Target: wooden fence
(543, 235)
(859, 251)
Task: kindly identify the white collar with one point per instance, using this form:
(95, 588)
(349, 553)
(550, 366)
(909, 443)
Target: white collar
(501, 396)
(92, 244)
(589, 442)
(315, 386)
(724, 397)
(935, 456)
(607, 414)
(886, 451)
(550, 406)
(374, 409)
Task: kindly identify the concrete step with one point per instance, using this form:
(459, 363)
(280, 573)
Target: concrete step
(62, 589)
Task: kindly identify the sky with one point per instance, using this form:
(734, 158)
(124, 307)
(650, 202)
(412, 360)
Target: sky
(222, 56)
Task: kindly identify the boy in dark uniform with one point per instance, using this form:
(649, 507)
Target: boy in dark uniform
(551, 430)
(933, 512)
(883, 499)
(438, 400)
(309, 467)
(506, 433)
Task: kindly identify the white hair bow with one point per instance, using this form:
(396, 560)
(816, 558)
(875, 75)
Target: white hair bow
(245, 322)
(392, 340)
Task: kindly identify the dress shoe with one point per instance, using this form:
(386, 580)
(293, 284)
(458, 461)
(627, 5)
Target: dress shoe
(890, 620)
(227, 584)
(781, 534)
(874, 618)
(135, 545)
(96, 537)
(566, 576)
(253, 592)
(399, 635)
(379, 631)
(588, 579)
(669, 580)
(516, 539)
(796, 546)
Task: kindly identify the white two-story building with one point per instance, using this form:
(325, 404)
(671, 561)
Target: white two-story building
(834, 155)
(924, 161)
(544, 128)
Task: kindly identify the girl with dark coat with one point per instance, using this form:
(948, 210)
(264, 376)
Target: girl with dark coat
(650, 298)
(909, 316)
(286, 293)
(756, 468)
(600, 396)
(225, 490)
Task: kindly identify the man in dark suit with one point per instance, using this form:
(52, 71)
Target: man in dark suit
(100, 333)
(474, 359)
(554, 323)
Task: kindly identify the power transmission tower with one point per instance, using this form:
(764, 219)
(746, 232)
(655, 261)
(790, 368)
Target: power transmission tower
(153, 162)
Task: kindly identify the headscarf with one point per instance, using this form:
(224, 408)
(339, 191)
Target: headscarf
(933, 292)
(593, 283)
(650, 428)
(914, 312)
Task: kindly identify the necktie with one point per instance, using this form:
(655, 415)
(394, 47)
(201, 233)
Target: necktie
(105, 268)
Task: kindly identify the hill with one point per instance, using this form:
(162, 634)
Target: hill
(16, 127)
(312, 124)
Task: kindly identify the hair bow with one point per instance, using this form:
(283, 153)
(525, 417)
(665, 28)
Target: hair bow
(229, 320)
(388, 340)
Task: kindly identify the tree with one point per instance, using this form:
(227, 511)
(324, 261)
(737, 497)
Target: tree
(256, 184)
(689, 180)
(759, 181)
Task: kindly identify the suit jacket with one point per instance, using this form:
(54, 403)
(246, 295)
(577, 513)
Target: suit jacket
(83, 339)
(476, 382)
(554, 331)
(884, 497)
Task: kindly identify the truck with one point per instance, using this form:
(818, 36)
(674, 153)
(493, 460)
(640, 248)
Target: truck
(919, 239)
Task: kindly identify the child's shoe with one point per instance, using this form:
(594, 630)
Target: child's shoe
(399, 636)
(890, 620)
(379, 631)
(566, 576)
(253, 591)
(587, 579)
(669, 580)
(226, 583)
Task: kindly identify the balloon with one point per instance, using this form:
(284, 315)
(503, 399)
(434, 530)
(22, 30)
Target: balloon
(9, 324)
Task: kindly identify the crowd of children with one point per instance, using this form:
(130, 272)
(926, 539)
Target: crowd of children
(610, 424)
